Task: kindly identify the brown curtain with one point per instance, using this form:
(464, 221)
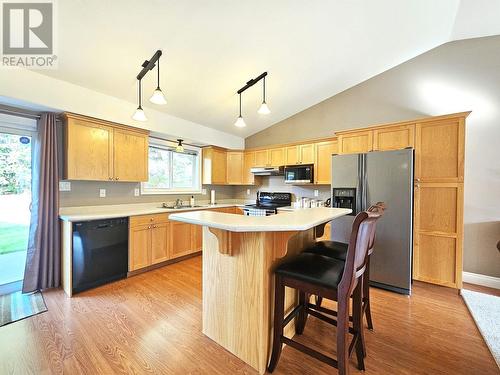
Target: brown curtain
(43, 260)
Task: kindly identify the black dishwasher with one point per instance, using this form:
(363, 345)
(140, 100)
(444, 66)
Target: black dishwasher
(100, 252)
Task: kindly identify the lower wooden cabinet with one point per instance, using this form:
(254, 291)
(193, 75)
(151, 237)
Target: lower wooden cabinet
(154, 239)
(438, 232)
(180, 239)
(159, 243)
(139, 247)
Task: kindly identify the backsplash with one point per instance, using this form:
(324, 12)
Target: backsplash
(277, 183)
(86, 193)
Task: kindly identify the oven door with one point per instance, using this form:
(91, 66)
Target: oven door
(299, 174)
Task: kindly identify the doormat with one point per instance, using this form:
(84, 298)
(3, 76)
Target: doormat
(485, 309)
(17, 306)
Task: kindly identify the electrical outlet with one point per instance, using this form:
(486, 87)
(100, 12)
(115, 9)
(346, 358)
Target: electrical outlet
(204, 191)
(64, 186)
(316, 193)
(248, 191)
(102, 193)
(137, 192)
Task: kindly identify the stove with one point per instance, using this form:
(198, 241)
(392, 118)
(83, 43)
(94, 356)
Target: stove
(267, 203)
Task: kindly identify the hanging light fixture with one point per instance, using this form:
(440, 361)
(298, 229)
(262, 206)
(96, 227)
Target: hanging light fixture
(264, 109)
(240, 123)
(158, 97)
(179, 147)
(139, 114)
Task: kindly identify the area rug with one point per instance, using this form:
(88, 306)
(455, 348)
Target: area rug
(485, 309)
(17, 306)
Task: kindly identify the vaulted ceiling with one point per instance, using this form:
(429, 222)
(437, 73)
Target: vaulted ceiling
(312, 49)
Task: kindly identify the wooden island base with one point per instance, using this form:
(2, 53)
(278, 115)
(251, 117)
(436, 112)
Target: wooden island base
(238, 285)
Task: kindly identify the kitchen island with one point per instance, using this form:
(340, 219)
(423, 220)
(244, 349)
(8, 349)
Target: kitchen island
(239, 256)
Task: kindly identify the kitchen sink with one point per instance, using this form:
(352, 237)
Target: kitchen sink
(182, 207)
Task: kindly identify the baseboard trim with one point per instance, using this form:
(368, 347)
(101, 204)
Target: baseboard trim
(478, 279)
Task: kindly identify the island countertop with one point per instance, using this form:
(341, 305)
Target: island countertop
(299, 220)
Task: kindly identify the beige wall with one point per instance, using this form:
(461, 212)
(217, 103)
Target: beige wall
(86, 193)
(455, 77)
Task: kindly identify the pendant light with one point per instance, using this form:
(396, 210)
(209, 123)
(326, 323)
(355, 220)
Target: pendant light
(240, 123)
(158, 97)
(179, 147)
(139, 114)
(264, 109)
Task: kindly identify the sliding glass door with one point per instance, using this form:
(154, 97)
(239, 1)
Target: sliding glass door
(15, 201)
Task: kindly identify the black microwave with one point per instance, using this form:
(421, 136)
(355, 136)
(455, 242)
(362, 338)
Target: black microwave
(299, 174)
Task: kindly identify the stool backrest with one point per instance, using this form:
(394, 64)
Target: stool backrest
(362, 235)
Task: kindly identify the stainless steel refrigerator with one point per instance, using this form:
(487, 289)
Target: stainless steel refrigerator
(359, 180)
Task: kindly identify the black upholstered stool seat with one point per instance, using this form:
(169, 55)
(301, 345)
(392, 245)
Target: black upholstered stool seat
(313, 268)
(332, 249)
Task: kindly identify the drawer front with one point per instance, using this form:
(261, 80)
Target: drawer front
(148, 219)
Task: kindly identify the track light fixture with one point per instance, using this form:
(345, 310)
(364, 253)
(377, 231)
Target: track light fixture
(158, 97)
(179, 147)
(240, 123)
(264, 109)
(139, 114)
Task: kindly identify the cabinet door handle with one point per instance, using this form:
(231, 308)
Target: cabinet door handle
(151, 219)
(149, 226)
(418, 179)
(110, 178)
(116, 178)
(417, 185)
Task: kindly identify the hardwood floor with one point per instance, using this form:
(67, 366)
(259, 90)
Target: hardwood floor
(151, 323)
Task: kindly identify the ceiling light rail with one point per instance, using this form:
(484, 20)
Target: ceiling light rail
(264, 109)
(158, 97)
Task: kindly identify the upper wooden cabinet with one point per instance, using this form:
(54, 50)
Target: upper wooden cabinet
(292, 155)
(214, 166)
(323, 170)
(248, 164)
(234, 167)
(98, 150)
(130, 156)
(276, 157)
(261, 158)
(273, 157)
(439, 150)
(355, 142)
(394, 137)
(299, 154)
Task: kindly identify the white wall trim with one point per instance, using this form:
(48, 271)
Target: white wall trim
(478, 279)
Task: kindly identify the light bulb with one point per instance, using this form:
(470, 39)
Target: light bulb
(240, 123)
(179, 148)
(139, 115)
(264, 109)
(158, 97)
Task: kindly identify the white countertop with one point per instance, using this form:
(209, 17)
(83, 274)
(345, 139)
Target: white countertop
(86, 213)
(284, 221)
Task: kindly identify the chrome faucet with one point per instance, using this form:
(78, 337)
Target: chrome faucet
(178, 202)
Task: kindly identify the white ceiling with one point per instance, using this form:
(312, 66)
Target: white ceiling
(312, 49)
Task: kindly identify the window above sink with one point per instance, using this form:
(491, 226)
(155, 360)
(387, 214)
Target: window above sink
(172, 172)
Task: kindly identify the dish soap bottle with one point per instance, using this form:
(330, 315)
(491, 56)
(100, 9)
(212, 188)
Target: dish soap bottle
(191, 201)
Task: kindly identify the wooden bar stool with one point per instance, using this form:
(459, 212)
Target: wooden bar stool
(315, 274)
(338, 250)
